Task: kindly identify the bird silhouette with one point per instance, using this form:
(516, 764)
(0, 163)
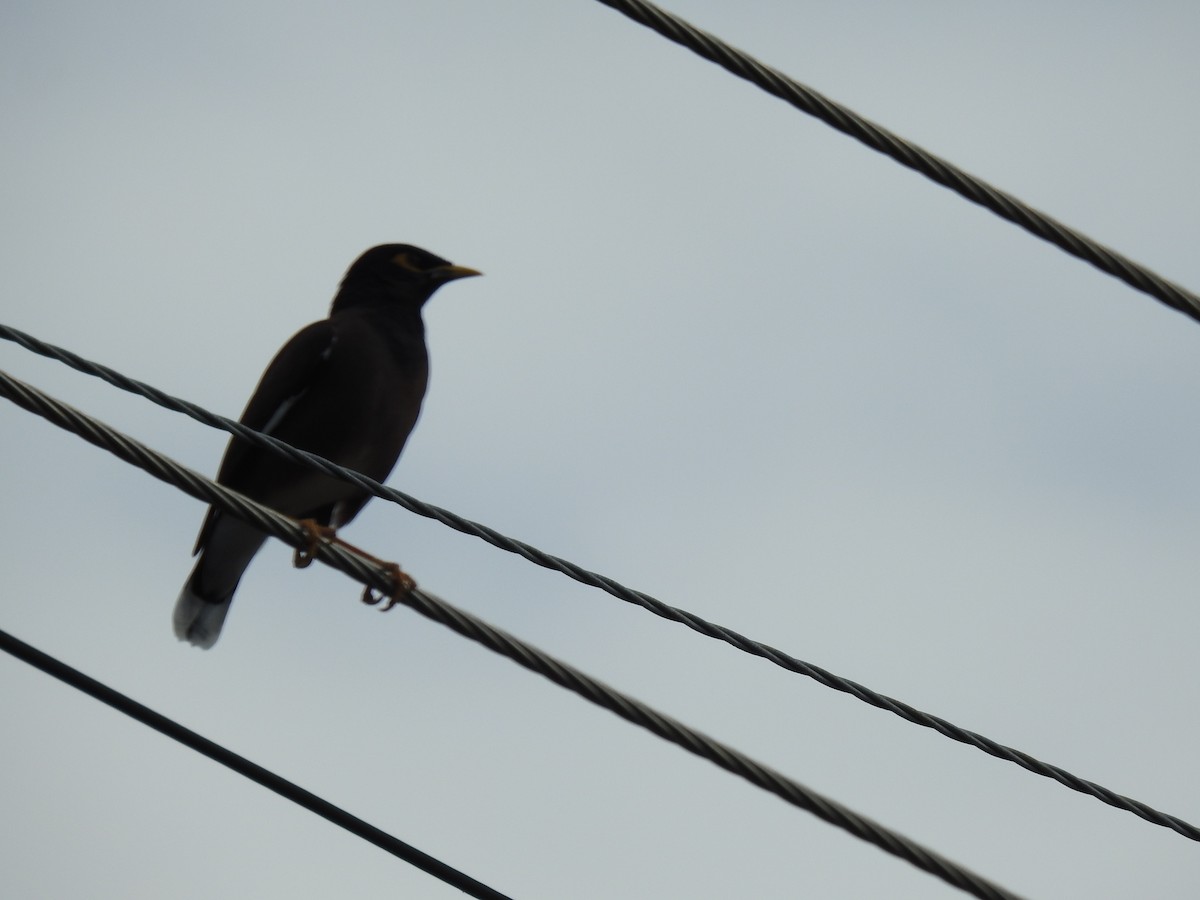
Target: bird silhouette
(348, 388)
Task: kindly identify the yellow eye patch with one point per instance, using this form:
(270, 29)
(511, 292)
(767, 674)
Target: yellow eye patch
(404, 261)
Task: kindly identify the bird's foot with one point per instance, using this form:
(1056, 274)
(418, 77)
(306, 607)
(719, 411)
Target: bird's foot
(402, 582)
(315, 532)
(402, 586)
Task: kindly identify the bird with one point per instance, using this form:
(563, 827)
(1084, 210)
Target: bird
(348, 388)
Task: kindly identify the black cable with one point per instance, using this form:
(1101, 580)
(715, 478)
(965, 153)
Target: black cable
(696, 623)
(908, 154)
(243, 766)
(376, 576)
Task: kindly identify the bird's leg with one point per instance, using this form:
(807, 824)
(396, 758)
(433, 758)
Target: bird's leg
(359, 550)
(315, 532)
(402, 582)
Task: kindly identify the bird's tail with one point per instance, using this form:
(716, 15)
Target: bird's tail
(196, 619)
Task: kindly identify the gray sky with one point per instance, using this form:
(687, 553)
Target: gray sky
(722, 353)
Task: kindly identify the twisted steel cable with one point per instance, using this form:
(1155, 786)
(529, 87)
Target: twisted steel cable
(696, 623)
(378, 577)
(908, 154)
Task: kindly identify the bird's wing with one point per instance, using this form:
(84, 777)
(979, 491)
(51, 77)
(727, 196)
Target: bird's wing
(288, 376)
(285, 381)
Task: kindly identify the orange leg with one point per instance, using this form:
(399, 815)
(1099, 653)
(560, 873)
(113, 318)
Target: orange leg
(402, 583)
(316, 532)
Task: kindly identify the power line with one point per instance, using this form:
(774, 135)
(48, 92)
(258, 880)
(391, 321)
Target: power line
(909, 154)
(245, 767)
(696, 623)
(377, 577)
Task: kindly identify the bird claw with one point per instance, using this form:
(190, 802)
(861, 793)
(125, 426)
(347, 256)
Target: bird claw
(315, 532)
(402, 585)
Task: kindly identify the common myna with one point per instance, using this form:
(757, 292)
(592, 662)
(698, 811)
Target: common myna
(348, 388)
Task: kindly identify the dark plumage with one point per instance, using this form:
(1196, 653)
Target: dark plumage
(348, 388)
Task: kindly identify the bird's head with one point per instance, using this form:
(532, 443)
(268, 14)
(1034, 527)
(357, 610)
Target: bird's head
(396, 273)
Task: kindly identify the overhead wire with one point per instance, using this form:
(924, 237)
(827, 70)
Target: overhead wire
(572, 570)
(909, 154)
(379, 577)
(256, 773)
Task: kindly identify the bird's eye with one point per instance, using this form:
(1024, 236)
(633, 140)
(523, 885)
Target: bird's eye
(404, 261)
